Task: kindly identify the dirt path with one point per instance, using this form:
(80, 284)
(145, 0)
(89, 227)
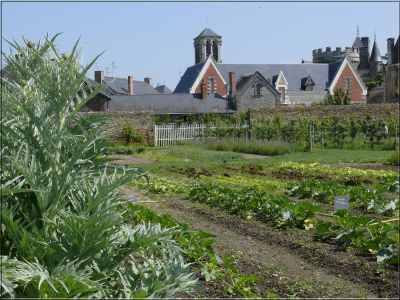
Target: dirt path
(279, 264)
(121, 159)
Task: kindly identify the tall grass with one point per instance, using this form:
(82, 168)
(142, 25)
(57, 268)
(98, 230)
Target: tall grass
(63, 231)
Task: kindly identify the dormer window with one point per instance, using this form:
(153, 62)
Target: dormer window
(307, 83)
(281, 85)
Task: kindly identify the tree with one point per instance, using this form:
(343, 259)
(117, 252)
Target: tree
(353, 130)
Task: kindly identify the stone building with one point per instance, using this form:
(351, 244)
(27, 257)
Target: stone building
(366, 59)
(392, 71)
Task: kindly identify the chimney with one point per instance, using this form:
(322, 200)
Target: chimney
(130, 85)
(390, 48)
(204, 91)
(232, 84)
(147, 80)
(99, 76)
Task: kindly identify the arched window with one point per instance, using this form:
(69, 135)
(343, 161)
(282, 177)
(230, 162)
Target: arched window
(215, 50)
(208, 48)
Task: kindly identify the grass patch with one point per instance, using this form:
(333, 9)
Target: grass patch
(251, 148)
(394, 159)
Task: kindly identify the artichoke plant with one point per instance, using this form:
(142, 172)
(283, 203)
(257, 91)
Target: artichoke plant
(63, 230)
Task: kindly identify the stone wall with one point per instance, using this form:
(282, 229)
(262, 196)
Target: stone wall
(116, 121)
(381, 111)
(392, 85)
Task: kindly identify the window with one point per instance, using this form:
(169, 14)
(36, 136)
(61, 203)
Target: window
(282, 90)
(211, 86)
(258, 90)
(349, 82)
(208, 48)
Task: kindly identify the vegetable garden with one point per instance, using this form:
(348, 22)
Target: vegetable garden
(76, 224)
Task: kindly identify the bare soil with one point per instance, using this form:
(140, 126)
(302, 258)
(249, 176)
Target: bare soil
(288, 262)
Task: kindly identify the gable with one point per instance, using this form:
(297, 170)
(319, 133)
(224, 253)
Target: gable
(209, 70)
(346, 70)
(281, 80)
(246, 83)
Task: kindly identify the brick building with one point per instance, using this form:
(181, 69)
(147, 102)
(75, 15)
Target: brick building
(255, 85)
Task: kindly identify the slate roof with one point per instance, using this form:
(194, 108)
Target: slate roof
(375, 53)
(294, 73)
(163, 89)
(357, 43)
(188, 78)
(119, 86)
(207, 32)
(168, 103)
(396, 52)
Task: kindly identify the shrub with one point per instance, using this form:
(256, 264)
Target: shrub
(339, 97)
(131, 135)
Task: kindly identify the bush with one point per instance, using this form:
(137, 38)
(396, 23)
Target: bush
(339, 97)
(131, 135)
(251, 148)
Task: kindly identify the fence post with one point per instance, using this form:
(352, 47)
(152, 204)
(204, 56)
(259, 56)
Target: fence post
(155, 135)
(310, 132)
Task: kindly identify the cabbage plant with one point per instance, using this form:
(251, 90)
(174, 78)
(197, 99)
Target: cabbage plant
(62, 231)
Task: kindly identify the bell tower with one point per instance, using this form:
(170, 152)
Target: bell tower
(205, 44)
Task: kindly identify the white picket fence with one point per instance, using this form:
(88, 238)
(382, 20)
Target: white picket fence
(172, 134)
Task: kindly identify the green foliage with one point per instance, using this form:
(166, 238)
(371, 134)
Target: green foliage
(362, 197)
(198, 248)
(131, 135)
(62, 231)
(249, 202)
(339, 97)
(394, 159)
(365, 235)
(377, 81)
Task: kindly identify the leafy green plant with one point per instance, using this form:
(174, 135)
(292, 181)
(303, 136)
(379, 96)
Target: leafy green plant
(62, 231)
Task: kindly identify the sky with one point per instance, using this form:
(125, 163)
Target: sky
(156, 39)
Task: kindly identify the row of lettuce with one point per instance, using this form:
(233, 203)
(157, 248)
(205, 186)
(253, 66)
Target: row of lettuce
(370, 226)
(66, 232)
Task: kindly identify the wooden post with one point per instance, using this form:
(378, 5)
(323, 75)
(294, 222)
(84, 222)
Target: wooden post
(155, 135)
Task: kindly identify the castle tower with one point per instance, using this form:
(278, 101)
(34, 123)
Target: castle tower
(375, 60)
(207, 43)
